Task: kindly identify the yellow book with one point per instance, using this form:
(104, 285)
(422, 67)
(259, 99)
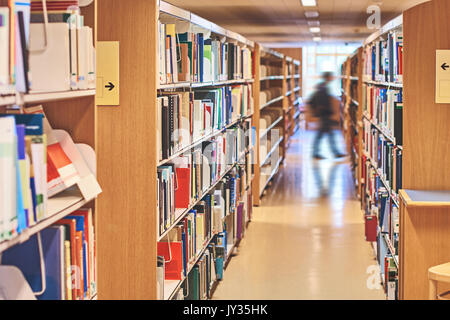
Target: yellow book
(68, 270)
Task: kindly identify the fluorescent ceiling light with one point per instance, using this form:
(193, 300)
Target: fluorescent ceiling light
(311, 14)
(314, 23)
(309, 3)
(314, 30)
(317, 39)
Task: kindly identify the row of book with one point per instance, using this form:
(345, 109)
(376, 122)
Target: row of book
(210, 266)
(39, 58)
(186, 117)
(190, 56)
(186, 178)
(267, 71)
(196, 248)
(269, 94)
(384, 58)
(68, 252)
(385, 108)
(37, 164)
(389, 271)
(385, 155)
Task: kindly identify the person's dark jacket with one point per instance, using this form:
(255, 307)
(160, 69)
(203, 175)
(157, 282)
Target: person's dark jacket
(321, 102)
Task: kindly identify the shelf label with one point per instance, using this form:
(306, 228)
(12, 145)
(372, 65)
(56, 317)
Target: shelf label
(442, 76)
(108, 93)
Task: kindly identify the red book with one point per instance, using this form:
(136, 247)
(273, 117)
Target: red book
(183, 178)
(371, 228)
(173, 258)
(87, 214)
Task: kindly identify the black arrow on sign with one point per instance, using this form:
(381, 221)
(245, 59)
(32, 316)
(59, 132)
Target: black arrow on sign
(110, 86)
(445, 66)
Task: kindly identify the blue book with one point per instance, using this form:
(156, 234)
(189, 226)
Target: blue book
(22, 214)
(200, 42)
(25, 256)
(33, 123)
(183, 238)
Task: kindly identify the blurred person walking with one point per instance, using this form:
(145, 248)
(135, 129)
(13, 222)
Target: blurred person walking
(321, 104)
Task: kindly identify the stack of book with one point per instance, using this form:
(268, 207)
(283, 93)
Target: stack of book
(69, 257)
(384, 107)
(384, 155)
(56, 58)
(384, 59)
(186, 117)
(194, 57)
(195, 249)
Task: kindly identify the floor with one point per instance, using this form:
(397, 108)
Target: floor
(306, 240)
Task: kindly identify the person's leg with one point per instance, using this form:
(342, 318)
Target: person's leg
(317, 141)
(333, 144)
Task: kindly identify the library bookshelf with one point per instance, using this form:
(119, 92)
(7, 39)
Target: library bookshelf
(400, 185)
(125, 137)
(351, 111)
(75, 112)
(278, 72)
(127, 231)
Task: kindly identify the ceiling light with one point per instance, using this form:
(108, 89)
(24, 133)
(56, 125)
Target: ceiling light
(314, 30)
(317, 39)
(311, 14)
(314, 23)
(309, 3)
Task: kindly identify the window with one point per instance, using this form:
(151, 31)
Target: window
(321, 58)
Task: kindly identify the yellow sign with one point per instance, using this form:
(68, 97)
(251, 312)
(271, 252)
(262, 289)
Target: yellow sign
(108, 87)
(442, 76)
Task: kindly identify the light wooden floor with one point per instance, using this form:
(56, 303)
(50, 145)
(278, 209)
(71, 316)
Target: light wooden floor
(304, 243)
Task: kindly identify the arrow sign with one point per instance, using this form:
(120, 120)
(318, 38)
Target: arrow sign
(110, 86)
(445, 66)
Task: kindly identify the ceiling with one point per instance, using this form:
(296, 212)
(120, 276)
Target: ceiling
(282, 23)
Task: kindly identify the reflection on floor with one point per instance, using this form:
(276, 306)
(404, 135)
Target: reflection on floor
(306, 241)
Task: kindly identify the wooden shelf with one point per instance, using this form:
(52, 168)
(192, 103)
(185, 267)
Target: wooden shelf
(271, 127)
(200, 141)
(184, 212)
(56, 96)
(280, 98)
(384, 84)
(174, 285)
(59, 207)
(380, 129)
(271, 152)
(7, 100)
(272, 78)
(45, 97)
(272, 175)
(192, 85)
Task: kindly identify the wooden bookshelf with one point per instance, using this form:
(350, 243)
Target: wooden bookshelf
(75, 112)
(124, 140)
(286, 62)
(424, 233)
(423, 241)
(127, 159)
(127, 234)
(351, 111)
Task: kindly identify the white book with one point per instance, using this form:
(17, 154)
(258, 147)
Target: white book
(159, 128)
(198, 123)
(8, 178)
(162, 53)
(4, 50)
(91, 63)
(83, 58)
(73, 43)
(50, 65)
